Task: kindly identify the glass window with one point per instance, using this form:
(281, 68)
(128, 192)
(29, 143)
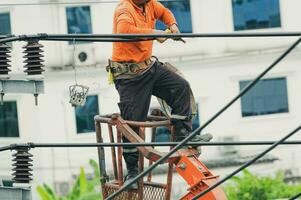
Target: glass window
(268, 96)
(85, 115)
(255, 14)
(163, 134)
(181, 11)
(9, 126)
(5, 28)
(79, 19)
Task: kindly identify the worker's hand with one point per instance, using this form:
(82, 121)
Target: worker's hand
(174, 28)
(161, 40)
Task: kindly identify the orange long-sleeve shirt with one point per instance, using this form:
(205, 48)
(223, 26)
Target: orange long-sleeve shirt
(130, 19)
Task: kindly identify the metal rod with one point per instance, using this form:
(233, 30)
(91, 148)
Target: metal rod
(95, 40)
(151, 144)
(183, 35)
(177, 147)
(247, 164)
(61, 37)
(296, 196)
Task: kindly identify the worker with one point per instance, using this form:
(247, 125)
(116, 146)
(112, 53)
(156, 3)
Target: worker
(138, 76)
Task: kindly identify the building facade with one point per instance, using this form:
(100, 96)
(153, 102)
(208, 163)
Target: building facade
(217, 69)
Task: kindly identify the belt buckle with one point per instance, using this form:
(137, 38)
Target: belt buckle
(134, 68)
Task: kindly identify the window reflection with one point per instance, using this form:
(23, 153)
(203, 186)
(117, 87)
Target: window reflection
(85, 115)
(181, 11)
(9, 126)
(269, 96)
(5, 28)
(255, 14)
(79, 19)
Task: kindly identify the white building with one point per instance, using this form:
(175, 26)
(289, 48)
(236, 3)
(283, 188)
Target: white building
(217, 69)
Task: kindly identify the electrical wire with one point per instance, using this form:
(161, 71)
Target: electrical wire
(198, 130)
(147, 144)
(71, 3)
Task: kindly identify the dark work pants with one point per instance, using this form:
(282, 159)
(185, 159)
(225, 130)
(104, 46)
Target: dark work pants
(135, 96)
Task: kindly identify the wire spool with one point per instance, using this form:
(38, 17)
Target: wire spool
(4, 60)
(34, 63)
(22, 166)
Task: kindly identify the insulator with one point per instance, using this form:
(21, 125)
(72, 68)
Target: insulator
(4, 60)
(22, 164)
(33, 51)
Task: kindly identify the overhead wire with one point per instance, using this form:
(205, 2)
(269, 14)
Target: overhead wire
(151, 144)
(198, 130)
(70, 3)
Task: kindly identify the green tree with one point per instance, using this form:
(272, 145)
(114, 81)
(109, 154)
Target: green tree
(83, 188)
(252, 187)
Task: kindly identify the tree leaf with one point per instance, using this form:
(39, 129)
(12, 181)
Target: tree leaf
(44, 194)
(83, 183)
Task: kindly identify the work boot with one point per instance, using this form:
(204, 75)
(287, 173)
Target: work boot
(131, 160)
(183, 132)
(129, 177)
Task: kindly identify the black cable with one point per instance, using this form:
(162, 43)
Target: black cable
(60, 37)
(95, 40)
(246, 164)
(71, 3)
(156, 144)
(5, 148)
(296, 196)
(182, 35)
(173, 150)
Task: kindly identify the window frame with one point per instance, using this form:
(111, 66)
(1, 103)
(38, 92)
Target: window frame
(84, 134)
(5, 11)
(271, 115)
(18, 120)
(67, 24)
(267, 29)
(191, 16)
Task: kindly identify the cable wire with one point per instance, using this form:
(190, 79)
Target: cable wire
(247, 164)
(71, 3)
(296, 196)
(173, 150)
(150, 144)
(137, 37)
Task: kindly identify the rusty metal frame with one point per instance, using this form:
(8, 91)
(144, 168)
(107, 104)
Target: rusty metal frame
(123, 129)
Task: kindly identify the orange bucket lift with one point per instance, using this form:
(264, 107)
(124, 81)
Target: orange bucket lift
(186, 162)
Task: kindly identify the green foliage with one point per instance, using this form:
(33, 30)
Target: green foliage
(252, 187)
(83, 189)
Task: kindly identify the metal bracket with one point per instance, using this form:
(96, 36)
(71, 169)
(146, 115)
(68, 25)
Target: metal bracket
(34, 87)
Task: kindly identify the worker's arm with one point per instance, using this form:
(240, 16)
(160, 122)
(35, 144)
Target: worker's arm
(163, 14)
(126, 25)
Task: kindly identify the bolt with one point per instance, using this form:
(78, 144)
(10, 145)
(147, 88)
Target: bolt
(182, 166)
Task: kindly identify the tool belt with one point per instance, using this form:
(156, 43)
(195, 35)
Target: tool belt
(127, 68)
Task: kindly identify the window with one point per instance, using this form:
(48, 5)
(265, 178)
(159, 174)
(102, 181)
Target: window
(181, 11)
(268, 96)
(85, 115)
(5, 28)
(163, 134)
(255, 14)
(9, 126)
(79, 19)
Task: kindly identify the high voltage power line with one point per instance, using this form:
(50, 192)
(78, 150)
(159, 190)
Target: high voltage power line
(70, 3)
